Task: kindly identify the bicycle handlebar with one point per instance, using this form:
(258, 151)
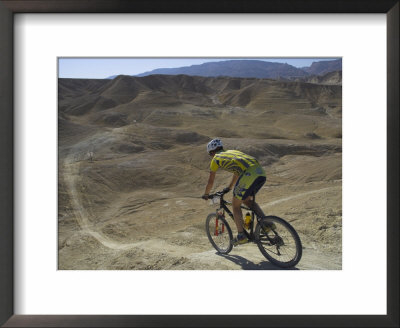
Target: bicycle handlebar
(221, 194)
(218, 194)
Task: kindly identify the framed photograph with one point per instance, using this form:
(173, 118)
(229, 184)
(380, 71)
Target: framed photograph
(108, 111)
(132, 165)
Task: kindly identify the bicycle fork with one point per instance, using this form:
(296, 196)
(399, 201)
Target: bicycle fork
(218, 225)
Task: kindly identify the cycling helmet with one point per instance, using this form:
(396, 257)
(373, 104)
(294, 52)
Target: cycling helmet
(214, 144)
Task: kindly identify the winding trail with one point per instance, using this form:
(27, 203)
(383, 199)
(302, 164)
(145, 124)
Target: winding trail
(285, 199)
(71, 172)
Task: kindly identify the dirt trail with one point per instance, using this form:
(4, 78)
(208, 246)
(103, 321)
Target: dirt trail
(71, 172)
(298, 195)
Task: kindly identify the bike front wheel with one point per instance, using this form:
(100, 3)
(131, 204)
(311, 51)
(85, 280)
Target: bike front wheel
(278, 241)
(219, 233)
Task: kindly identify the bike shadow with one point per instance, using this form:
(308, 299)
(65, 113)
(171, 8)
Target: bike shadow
(249, 265)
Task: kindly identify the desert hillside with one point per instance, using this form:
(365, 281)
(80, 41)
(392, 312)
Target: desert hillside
(133, 165)
(332, 78)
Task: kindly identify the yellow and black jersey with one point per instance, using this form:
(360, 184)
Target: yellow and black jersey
(233, 161)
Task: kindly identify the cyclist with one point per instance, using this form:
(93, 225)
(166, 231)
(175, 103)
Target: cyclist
(248, 178)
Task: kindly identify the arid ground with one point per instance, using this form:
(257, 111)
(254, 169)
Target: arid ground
(133, 166)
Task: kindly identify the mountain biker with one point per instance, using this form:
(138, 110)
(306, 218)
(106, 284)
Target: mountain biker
(248, 178)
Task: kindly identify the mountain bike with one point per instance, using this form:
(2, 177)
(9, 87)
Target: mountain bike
(277, 240)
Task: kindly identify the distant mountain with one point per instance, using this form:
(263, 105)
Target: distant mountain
(234, 68)
(323, 67)
(248, 69)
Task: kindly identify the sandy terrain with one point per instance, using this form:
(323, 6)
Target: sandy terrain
(136, 204)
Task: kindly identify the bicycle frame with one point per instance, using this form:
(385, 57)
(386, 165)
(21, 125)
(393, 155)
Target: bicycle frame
(223, 206)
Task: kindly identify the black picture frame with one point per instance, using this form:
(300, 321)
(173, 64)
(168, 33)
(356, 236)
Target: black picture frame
(10, 7)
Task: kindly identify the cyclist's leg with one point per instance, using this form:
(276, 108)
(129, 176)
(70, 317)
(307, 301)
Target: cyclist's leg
(238, 217)
(237, 201)
(237, 213)
(256, 180)
(249, 202)
(254, 206)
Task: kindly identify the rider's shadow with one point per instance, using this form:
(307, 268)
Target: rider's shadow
(248, 265)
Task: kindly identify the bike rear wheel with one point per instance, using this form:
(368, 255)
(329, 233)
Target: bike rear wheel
(219, 233)
(278, 241)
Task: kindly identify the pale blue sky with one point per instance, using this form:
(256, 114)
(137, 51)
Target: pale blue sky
(100, 68)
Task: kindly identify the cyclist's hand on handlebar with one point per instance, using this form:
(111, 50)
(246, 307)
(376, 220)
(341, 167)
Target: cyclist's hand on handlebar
(205, 196)
(226, 190)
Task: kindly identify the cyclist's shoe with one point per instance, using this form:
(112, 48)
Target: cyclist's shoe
(268, 226)
(240, 239)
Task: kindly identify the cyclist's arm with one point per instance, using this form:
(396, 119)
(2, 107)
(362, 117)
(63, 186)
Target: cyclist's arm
(233, 182)
(210, 182)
